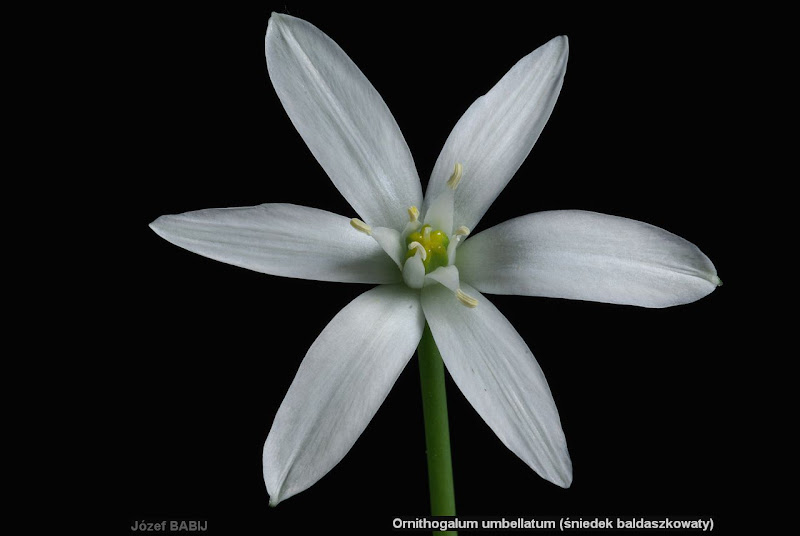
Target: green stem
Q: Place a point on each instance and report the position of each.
(437, 432)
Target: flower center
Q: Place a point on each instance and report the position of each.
(434, 245)
(425, 251)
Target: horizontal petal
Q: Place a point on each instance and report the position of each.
(342, 381)
(343, 120)
(496, 371)
(281, 239)
(496, 134)
(587, 256)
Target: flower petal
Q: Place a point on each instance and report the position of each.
(414, 272)
(281, 239)
(445, 275)
(343, 120)
(496, 134)
(391, 242)
(499, 376)
(439, 214)
(342, 381)
(587, 256)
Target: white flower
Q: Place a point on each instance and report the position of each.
(417, 251)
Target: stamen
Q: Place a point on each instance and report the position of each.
(455, 178)
(466, 299)
(455, 240)
(361, 226)
(413, 214)
(420, 248)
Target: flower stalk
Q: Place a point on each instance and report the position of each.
(437, 431)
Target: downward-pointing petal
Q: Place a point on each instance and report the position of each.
(342, 381)
(281, 239)
(343, 120)
(497, 373)
(587, 256)
(497, 132)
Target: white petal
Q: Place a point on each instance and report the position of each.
(343, 120)
(342, 381)
(587, 256)
(499, 376)
(391, 242)
(439, 214)
(414, 272)
(445, 275)
(281, 239)
(496, 134)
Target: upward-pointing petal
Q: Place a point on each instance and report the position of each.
(343, 120)
(496, 134)
(341, 383)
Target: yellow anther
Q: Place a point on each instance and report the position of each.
(462, 231)
(361, 226)
(413, 214)
(420, 248)
(466, 299)
(455, 178)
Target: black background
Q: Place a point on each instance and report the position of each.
(641, 130)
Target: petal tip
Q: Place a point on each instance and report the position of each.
(559, 41)
(563, 473)
(564, 482)
(563, 41)
(276, 16)
(157, 225)
(276, 20)
(558, 49)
